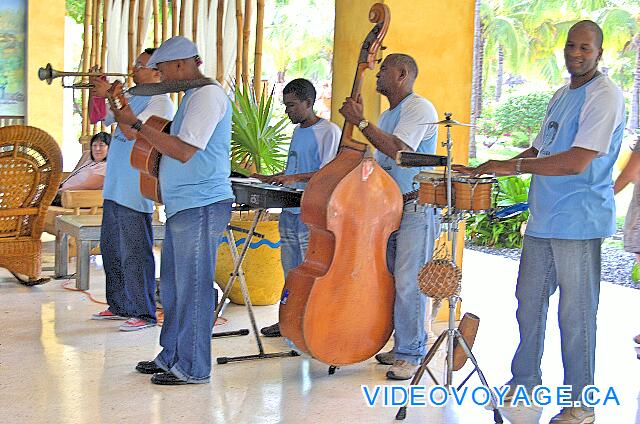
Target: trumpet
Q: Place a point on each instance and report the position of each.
(48, 74)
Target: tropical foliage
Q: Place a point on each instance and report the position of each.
(521, 41)
(519, 117)
(299, 39)
(488, 230)
(256, 145)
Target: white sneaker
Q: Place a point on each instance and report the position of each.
(402, 370)
(574, 415)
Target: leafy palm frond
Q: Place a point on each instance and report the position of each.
(256, 145)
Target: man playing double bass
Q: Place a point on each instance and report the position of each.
(403, 127)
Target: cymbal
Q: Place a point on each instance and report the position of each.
(450, 123)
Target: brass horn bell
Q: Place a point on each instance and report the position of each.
(48, 74)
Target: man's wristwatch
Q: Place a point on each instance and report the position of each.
(363, 124)
(137, 125)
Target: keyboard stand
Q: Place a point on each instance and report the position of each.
(238, 274)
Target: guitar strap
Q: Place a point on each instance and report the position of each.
(170, 86)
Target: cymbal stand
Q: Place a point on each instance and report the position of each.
(451, 219)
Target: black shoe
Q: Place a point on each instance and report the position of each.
(166, 379)
(272, 330)
(148, 367)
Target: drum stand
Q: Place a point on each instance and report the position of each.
(451, 219)
(238, 274)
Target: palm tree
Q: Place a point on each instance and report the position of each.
(621, 27)
(498, 35)
(476, 84)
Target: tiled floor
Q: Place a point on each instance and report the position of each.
(57, 366)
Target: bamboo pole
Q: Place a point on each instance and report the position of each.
(105, 23)
(239, 40)
(174, 32)
(156, 24)
(174, 17)
(85, 68)
(95, 47)
(165, 15)
(139, 30)
(94, 32)
(132, 9)
(103, 49)
(246, 34)
(182, 17)
(219, 32)
(194, 21)
(182, 25)
(257, 60)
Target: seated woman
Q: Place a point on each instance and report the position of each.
(89, 175)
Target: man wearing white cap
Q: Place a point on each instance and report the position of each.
(195, 187)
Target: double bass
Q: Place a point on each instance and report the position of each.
(337, 306)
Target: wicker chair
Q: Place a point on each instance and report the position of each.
(30, 173)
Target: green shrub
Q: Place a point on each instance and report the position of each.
(485, 230)
(522, 114)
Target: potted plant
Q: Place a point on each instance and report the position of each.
(256, 146)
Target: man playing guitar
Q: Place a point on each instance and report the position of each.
(195, 188)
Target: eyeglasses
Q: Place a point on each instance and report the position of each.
(138, 65)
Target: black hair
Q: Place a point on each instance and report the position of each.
(401, 59)
(302, 88)
(102, 136)
(150, 50)
(593, 27)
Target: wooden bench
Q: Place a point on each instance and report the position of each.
(85, 229)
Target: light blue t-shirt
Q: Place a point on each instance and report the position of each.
(203, 120)
(578, 207)
(122, 181)
(408, 121)
(311, 148)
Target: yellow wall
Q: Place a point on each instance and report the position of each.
(351, 28)
(45, 43)
(439, 36)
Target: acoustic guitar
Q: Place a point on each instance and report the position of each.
(144, 156)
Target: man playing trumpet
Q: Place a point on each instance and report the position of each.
(126, 238)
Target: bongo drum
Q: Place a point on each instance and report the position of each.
(433, 188)
(472, 193)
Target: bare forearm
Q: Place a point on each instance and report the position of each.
(387, 143)
(571, 162)
(630, 173)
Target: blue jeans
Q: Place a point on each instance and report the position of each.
(126, 242)
(188, 263)
(294, 240)
(574, 267)
(407, 251)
